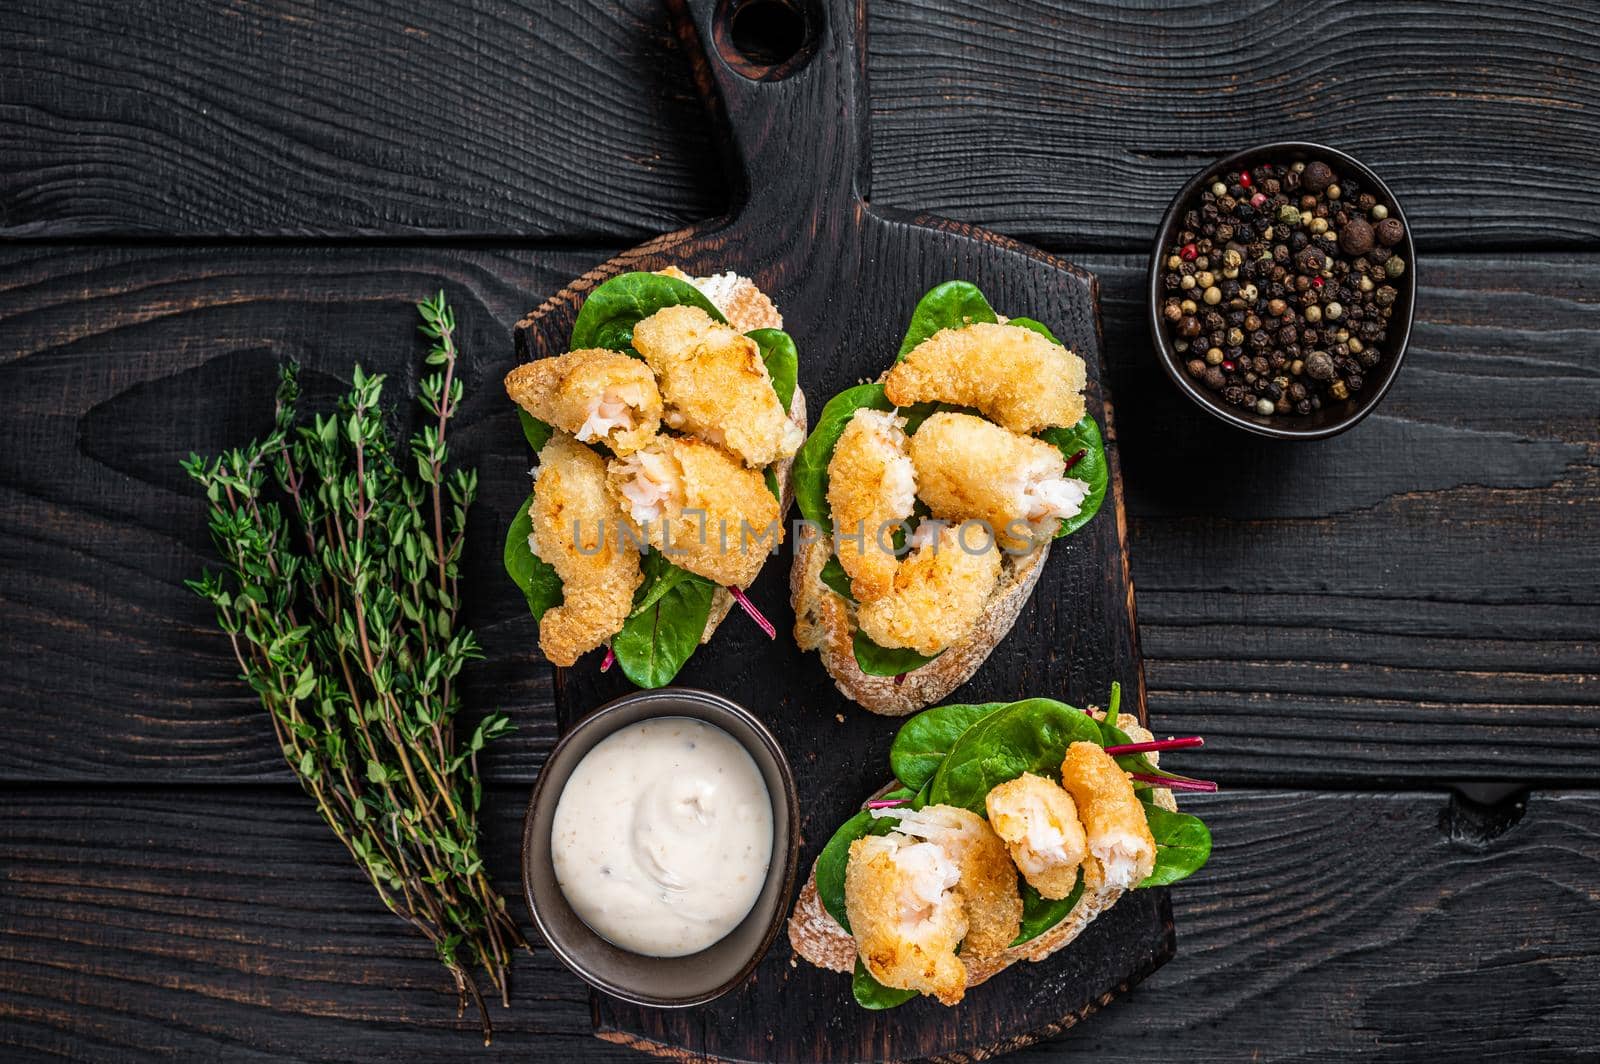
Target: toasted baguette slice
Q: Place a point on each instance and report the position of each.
(747, 308)
(817, 937)
(825, 621)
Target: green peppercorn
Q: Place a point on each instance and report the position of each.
(1395, 266)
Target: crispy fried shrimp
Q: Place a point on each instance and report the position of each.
(715, 385)
(744, 305)
(871, 486)
(1014, 375)
(599, 396)
(906, 914)
(939, 592)
(576, 528)
(697, 505)
(988, 879)
(972, 469)
(1113, 818)
(1039, 824)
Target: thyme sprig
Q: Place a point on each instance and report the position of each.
(340, 595)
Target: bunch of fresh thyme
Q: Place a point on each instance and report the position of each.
(340, 594)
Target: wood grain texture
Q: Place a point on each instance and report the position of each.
(1074, 122)
(1272, 620)
(227, 922)
(1065, 122)
(295, 117)
(796, 140)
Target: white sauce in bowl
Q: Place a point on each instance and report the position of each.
(662, 836)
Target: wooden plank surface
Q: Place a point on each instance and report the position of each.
(1413, 601)
(1064, 122)
(227, 922)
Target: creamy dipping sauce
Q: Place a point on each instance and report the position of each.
(662, 836)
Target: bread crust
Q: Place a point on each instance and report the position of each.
(824, 621)
(818, 938)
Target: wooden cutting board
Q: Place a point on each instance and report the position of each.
(846, 276)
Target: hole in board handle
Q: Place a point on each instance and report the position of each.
(767, 40)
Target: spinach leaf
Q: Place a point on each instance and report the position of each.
(1035, 326)
(883, 661)
(810, 474)
(836, 578)
(1183, 844)
(613, 309)
(536, 432)
(1091, 468)
(1040, 914)
(655, 642)
(1027, 736)
(925, 739)
(660, 576)
(782, 361)
(871, 994)
(835, 856)
(532, 574)
(952, 305)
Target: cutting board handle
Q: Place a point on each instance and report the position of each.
(786, 81)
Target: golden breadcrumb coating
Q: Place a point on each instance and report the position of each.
(939, 592)
(744, 305)
(700, 507)
(1039, 824)
(597, 395)
(576, 526)
(1014, 375)
(871, 485)
(715, 385)
(906, 915)
(1113, 818)
(972, 469)
(988, 883)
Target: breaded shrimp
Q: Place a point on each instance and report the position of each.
(988, 879)
(906, 914)
(871, 486)
(1113, 818)
(697, 505)
(577, 529)
(744, 305)
(972, 469)
(939, 591)
(715, 385)
(1014, 375)
(599, 396)
(1039, 824)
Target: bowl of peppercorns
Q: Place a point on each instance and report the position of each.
(1282, 290)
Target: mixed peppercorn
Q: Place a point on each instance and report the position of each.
(1280, 287)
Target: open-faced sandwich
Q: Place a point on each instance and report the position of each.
(665, 438)
(933, 496)
(1010, 826)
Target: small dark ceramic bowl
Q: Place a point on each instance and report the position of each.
(1333, 418)
(665, 982)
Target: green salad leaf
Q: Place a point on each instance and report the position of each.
(536, 432)
(657, 639)
(836, 578)
(1091, 468)
(951, 305)
(1035, 326)
(1040, 914)
(617, 305)
(1026, 736)
(923, 741)
(534, 576)
(1183, 844)
(871, 994)
(778, 354)
(885, 661)
(835, 856)
(810, 475)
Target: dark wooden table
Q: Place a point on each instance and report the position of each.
(1391, 639)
